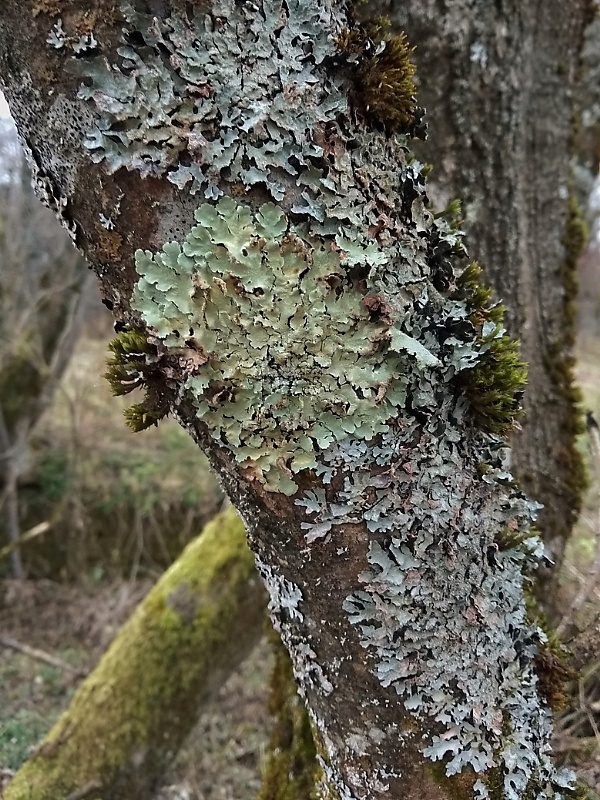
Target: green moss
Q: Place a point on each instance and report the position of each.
(509, 538)
(383, 74)
(555, 674)
(133, 365)
(456, 787)
(583, 793)
(560, 362)
(129, 717)
(494, 387)
(452, 214)
(291, 771)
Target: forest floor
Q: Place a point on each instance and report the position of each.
(97, 581)
(222, 757)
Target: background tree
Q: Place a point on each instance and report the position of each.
(336, 357)
(44, 287)
(130, 716)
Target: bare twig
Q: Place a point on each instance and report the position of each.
(90, 788)
(40, 655)
(32, 533)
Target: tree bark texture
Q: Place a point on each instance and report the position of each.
(499, 82)
(239, 175)
(130, 716)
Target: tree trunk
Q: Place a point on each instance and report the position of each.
(239, 175)
(44, 291)
(129, 718)
(499, 82)
(13, 526)
(291, 770)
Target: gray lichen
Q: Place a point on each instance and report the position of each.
(327, 337)
(433, 556)
(211, 89)
(80, 44)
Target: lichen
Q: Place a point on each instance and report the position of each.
(293, 358)
(180, 106)
(340, 336)
(84, 43)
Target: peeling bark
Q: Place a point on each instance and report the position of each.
(244, 189)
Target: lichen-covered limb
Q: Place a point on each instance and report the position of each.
(502, 115)
(130, 716)
(239, 174)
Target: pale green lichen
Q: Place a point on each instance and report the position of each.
(310, 332)
(292, 358)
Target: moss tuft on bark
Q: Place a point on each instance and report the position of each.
(552, 662)
(133, 364)
(494, 386)
(560, 362)
(383, 75)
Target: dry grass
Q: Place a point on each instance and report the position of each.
(121, 503)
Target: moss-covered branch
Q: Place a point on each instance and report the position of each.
(131, 715)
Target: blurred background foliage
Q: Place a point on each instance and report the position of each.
(117, 503)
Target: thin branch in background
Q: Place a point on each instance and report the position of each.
(32, 533)
(584, 705)
(40, 655)
(593, 575)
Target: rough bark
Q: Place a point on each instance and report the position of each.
(315, 331)
(130, 716)
(499, 82)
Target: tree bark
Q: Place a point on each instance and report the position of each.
(239, 176)
(131, 715)
(499, 82)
